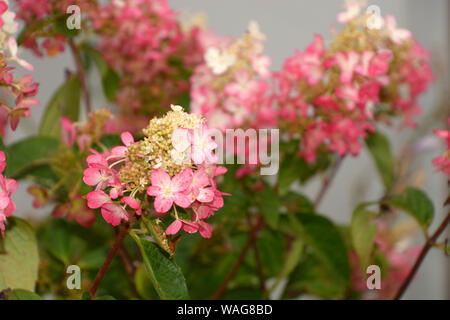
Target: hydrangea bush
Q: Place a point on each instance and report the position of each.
(138, 195)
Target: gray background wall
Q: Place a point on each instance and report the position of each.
(290, 25)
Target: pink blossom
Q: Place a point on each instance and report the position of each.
(347, 62)
(202, 146)
(127, 138)
(353, 8)
(442, 163)
(244, 87)
(96, 199)
(113, 213)
(397, 35)
(68, 131)
(261, 65)
(7, 188)
(168, 191)
(133, 204)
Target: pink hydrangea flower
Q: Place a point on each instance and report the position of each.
(202, 146)
(442, 163)
(397, 35)
(7, 188)
(347, 63)
(168, 191)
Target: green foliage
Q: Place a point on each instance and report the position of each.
(19, 261)
(363, 234)
(21, 294)
(380, 149)
(29, 153)
(325, 240)
(164, 273)
(109, 77)
(416, 203)
(61, 27)
(293, 168)
(297, 203)
(270, 206)
(65, 102)
(271, 246)
(144, 285)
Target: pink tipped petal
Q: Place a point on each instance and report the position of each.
(119, 151)
(113, 214)
(205, 229)
(162, 204)
(190, 227)
(182, 180)
(174, 227)
(127, 138)
(11, 185)
(220, 171)
(206, 195)
(204, 212)
(2, 161)
(131, 202)
(182, 200)
(92, 176)
(153, 191)
(159, 178)
(96, 199)
(4, 201)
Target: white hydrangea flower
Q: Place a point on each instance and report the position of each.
(218, 61)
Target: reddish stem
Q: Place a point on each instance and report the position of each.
(239, 260)
(421, 257)
(112, 252)
(81, 75)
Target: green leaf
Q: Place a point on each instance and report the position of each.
(313, 277)
(19, 262)
(297, 203)
(293, 258)
(28, 153)
(290, 170)
(293, 168)
(143, 283)
(65, 102)
(110, 78)
(61, 27)
(58, 239)
(164, 273)
(271, 246)
(326, 241)
(93, 260)
(416, 203)
(363, 234)
(380, 149)
(270, 207)
(20, 294)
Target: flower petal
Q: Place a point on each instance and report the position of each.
(96, 199)
(174, 227)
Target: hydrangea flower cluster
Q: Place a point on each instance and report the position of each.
(333, 96)
(21, 90)
(7, 188)
(442, 163)
(173, 166)
(230, 87)
(145, 35)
